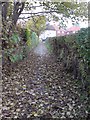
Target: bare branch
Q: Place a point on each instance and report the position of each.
(42, 12)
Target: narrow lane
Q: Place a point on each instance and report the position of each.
(39, 86)
(41, 50)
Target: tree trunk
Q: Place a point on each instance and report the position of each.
(18, 8)
(4, 12)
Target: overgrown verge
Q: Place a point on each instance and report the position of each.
(74, 53)
(17, 44)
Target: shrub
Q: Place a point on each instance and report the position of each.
(74, 52)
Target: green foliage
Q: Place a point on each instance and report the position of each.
(31, 38)
(48, 45)
(74, 52)
(28, 37)
(15, 54)
(27, 34)
(78, 43)
(36, 24)
(16, 57)
(15, 39)
(34, 39)
(83, 42)
(69, 9)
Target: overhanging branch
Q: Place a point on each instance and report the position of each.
(42, 12)
(37, 13)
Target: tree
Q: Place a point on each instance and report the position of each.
(11, 12)
(37, 24)
(15, 13)
(18, 8)
(67, 9)
(58, 11)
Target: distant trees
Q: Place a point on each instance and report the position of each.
(37, 24)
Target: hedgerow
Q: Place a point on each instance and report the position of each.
(74, 53)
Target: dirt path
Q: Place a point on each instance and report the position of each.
(41, 50)
(39, 87)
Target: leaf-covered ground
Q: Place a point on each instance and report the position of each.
(40, 87)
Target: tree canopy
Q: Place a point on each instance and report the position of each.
(67, 9)
(37, 24)
(14, 9)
